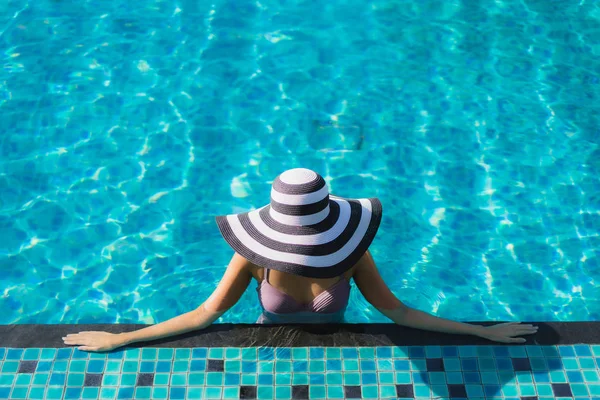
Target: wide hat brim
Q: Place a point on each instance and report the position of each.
(323, 250)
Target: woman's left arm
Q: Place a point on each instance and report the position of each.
(233, 284)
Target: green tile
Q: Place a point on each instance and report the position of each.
(90, 392)
(366, 353)
(40, 378)
(132, 354)
(316, 366)
(249, 379)
(316, 392)
(7, 379)
(31, 354)
(48, 354)
(143, 392)
(75, 379)
(299, 353)
(234, 366)
(264, 392)
(232, 353)
(113, 366)
(181, 366)
(161, 379)
(370, 392)
(195, 393)
(351, 378)
(333, 378)
(108, 393)
(283, 366)
(128, 379)
(350, 365)
(249, 354)
(214, 379)
(333, 353)
(159, 393)
(300, 379)
(36, 393)
(231, 393)
(77, 366)
(283, 392)
(182, 354)
(216, 353)
(178, 379)
(165, 354)
(283, 379)
(131, 366)
(110, 380)
(335, 392)
(196, 378)
(265, 367)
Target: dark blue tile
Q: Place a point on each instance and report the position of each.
(457, 391)
(249, 392)
(369, 378)
(562, 390)
(27, 367)
(125, 393)
(72, 393)
(352, 392)
(92, 379)
(265, 379)
(521, 364)
(248, 366)
(316, 353)
(416, 352)
(435, 365)
(449, 351)
(349, 353)
(215, 366)
(405, 391)
(177, 393)
(300, 392)
(199, 353)
(145, 380)
(575, 376)
(334, 365)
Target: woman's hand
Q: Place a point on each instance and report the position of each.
(94, 340)
(506, 332)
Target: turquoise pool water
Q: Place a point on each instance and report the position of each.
(125, 128)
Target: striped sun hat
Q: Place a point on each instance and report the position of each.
(304, 230)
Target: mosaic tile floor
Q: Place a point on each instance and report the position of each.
(517, 372)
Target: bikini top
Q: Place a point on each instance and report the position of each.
(332, 300)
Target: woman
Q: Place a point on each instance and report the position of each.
(303, 249)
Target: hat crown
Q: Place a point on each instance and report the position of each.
(299, 196)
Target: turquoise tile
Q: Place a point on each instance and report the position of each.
(249, 353)
(230, 393)
(197, 379)
(594, 389)
(534, 351)
(232, 353)
(524, 377)
(108, 393)
(10, 366)
(159, 392)
(234, 366)
(558, 377)
(178, 379)
(437, 378)
(467, 351)
(31, 354)
(454, 377)
(544, 390)
(418, 365)
(36, 393)
(40, 378)
(586, 363)
(384, 365)
(366, 353)
(165, 354)
(214, 378)
(97, 356)
(283, 392)
(182, 354)
(510, 391)
(264, 392)
(570, 363)
(527, 390)
(216, 353)
(433, 352)
(316, 392)
(350, 365)
(403, 377)
(249, 379)
(266, 367)
(74, 393)
(283, 366)
(333, 378)
(400, 352)
(579, 389)
(57, 393)
(517, 352)
(149, 353)
(370, 392)
(128, 379)
(591, 376)
(538, 364)
(77, 366)
(316, 379)
(351, 378)
(195, 393)
(300, 379)
(386, 378)
(489, 377)
(487, 364)
(91, 392)
(316, 366)
(19, 393)
(110, 380)
(181, 366)
(2, 353)
(60, 366)
(113, 367)
(79, 354)
(283, 379)
(75, 379)
(335, 392)
(7, 379)
(48, 354)
(439, 390)
(299, 366)
(299, 353)
(333, 353)
(143, 392)
(387, 391)
(474, 390)
(422, 390)
(452, 364)
(485, 351)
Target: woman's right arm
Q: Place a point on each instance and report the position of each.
(371, 285)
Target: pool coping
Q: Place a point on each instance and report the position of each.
(330, 335)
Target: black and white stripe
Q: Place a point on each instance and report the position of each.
(304, 230)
